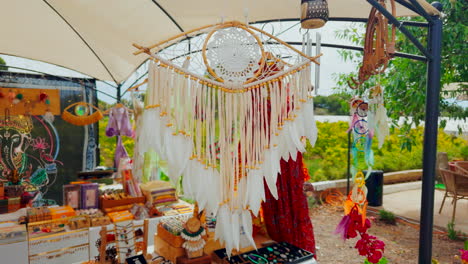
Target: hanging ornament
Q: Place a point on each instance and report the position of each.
(11, 95)
(314, 13)
(82, 116)
(49, 116)
(43, 96)
(231, 126)
(377, 118)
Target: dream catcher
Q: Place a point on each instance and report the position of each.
(82, 114)
(361, 136)
(224, 115)
(368, 117)
(379, 47)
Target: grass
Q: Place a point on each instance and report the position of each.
(387, 217)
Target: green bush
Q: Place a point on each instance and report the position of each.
(328, 159)
(387, 217)
(107, 144)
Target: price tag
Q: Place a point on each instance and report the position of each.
(139, 259)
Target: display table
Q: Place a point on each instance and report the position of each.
(79, 246)
(75, 246)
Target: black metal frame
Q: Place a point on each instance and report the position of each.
(432, 56)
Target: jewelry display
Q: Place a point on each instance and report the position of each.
(66, 255)
(194, 235)
(125, 239)
(58, 241)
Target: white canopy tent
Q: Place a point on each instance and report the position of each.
(95, 37)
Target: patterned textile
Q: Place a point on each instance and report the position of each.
(287, 219)
(119, 125)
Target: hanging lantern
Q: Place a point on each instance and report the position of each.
(314, 13)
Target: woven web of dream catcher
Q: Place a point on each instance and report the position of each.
(234, 54)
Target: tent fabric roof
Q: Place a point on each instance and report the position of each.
(95, 37)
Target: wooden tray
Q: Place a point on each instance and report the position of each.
(104, 203)
(175, 241)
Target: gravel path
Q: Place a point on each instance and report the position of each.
(401, 240)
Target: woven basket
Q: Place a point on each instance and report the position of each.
(314, 13)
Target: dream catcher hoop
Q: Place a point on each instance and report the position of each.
(226, 112)
(236, 53)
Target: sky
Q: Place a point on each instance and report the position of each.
(331, 63)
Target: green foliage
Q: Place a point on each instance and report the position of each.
(107, 145)
(466, 245)
(328, 159)
(464, 153)
(387, 217)
(451, 232)
(383, 260)
(3, 64)
(335, 104)
(405, 80)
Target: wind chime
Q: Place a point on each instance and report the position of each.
(225, 117)
(368, 117)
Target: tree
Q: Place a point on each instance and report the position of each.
(335, 104)
(404, 80)
(3, 64)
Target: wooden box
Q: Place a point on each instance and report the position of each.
(61, 212)
(162, 248)
(14, 204)
(205, 259)
(175, 241)
(105, 203)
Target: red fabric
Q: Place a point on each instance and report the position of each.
(287, 219)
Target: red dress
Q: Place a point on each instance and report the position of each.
(287, 219)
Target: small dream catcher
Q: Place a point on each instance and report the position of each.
(240, 89)
(82, 114)
(363, 156)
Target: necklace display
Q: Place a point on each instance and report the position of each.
(193, 236)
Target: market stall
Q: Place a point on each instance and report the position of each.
(230, 118)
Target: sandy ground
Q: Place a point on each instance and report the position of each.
(401, 240)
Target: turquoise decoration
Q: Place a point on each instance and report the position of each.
(81, 110)
(19, 96)
(39, 177)
(193, 234)
(47, 102)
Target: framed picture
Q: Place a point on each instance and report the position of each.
(89, 195)
(71, 195)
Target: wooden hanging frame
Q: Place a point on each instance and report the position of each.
(160, 45)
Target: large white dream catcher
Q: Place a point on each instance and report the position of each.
(224, 115)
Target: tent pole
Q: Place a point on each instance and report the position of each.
(430, 140)
(348, 169)
(119, 93)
